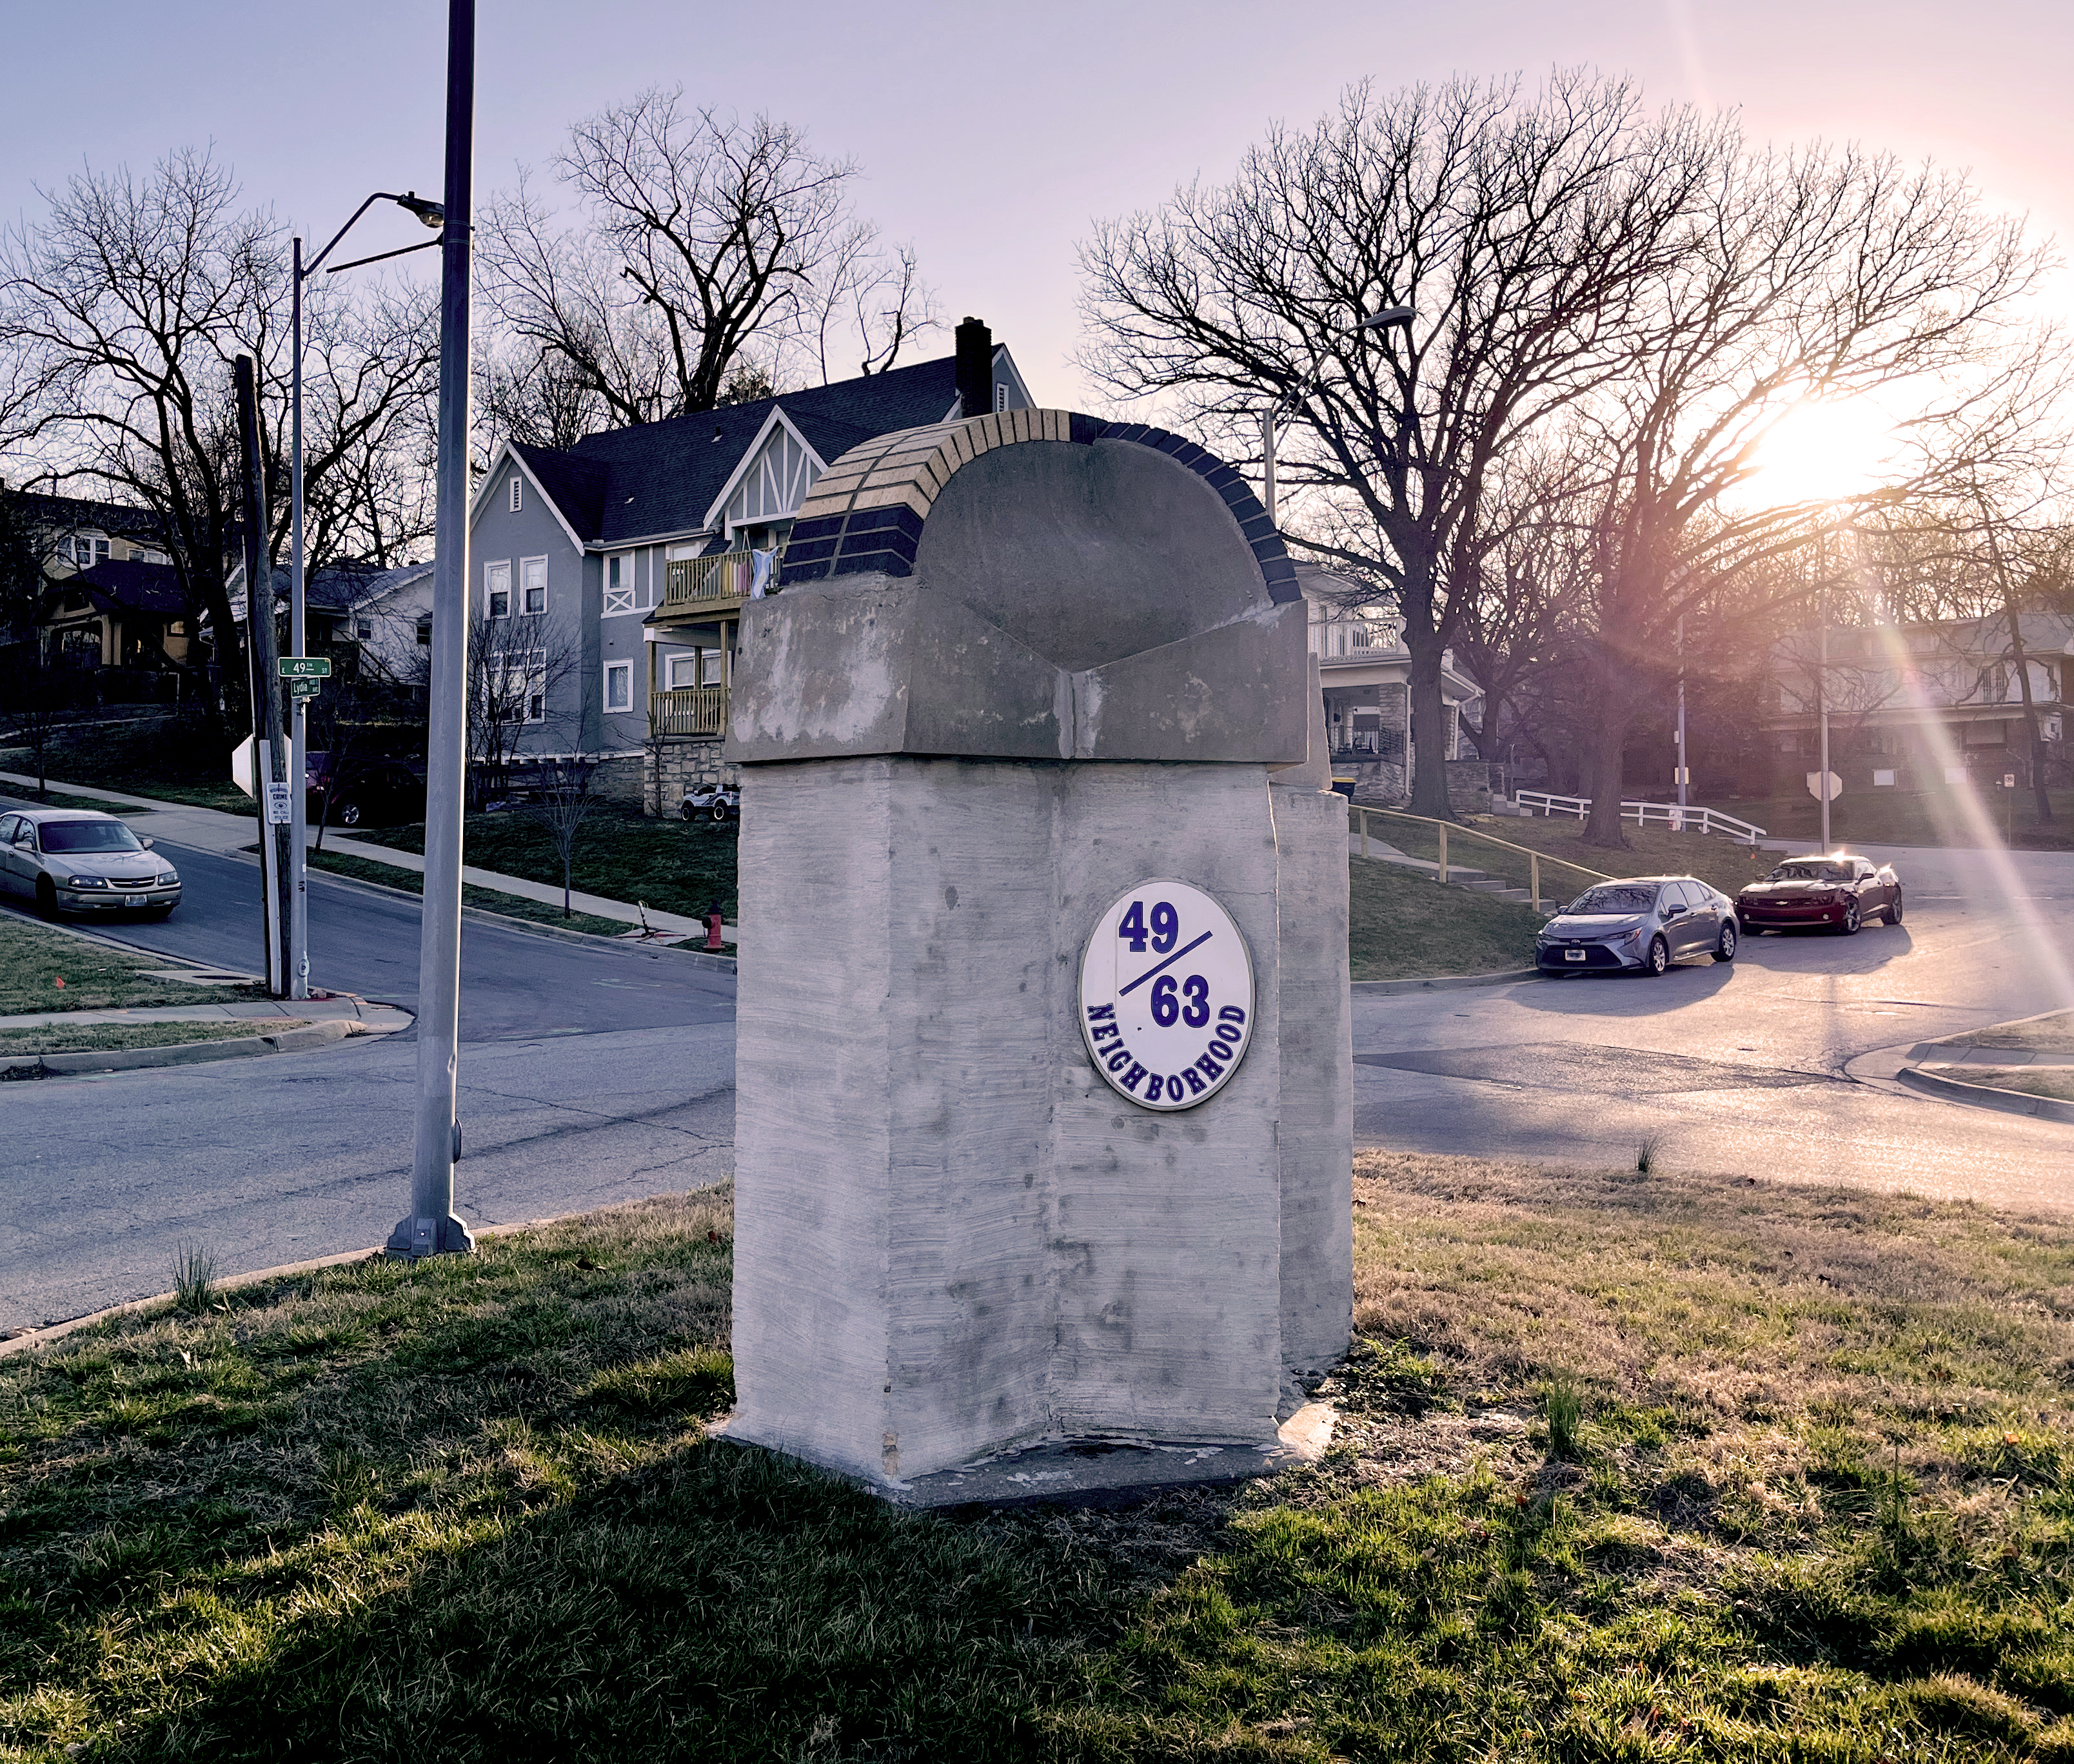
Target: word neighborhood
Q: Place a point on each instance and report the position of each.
(1167, 995)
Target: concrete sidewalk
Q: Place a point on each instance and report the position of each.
(342, 1007)
(210, 830)
(1460, 875)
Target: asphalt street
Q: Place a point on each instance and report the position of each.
(593, 1074)
(1746, 1067)
(589, 1073)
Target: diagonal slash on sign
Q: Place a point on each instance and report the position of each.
(1169, 963)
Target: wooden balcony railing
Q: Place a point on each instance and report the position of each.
(723, 576)
(688, 711)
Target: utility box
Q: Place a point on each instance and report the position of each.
(1043, 1080)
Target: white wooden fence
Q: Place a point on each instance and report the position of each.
(1669, 815)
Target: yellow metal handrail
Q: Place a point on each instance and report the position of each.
(688, 709)
(1533, 857)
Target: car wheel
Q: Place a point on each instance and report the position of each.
(685, 811)
(346, 814)
(46, 897)
(1852, 920)
(1724, 948)
(1893, 912)
(719, 811)
(1659, 957)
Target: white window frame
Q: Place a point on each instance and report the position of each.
(620, 594)
(96, 551)
(1000, 396)
(531, 667)
(363, 630)
(497, 580)
(625, 670)
(528, 588)
(518, 493)
(689, 660)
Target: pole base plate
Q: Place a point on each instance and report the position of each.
(430, 1236)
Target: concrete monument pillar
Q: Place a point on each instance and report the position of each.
(1043, 1079)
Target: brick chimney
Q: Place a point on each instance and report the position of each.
(975, 368)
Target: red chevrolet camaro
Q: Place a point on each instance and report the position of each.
(1838, 893)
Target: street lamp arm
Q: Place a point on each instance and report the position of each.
(383, 257)
(429, 212)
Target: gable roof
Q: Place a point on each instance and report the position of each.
(54, 513)
(128, 587)
(662, 478)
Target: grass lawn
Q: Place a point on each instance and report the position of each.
(512, 906)
(1402, 925)
(161, 755)
(58, 799)
(2056, 1082)
(678, 866)
(2053, 1034)
(1653, 851)
(1877, 816)
(1629, 1469)
(116, 1037)
(34, 958)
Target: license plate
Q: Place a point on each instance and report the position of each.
(1573, 955)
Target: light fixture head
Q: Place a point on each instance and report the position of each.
(1385, 317)
(432, 213)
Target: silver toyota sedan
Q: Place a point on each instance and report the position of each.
(75, 860)
(1641, 925)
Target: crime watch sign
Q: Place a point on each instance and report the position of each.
(1167, 997)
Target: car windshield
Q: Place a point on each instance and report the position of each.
(1617, 897)
(1811, 872)
(88, 836)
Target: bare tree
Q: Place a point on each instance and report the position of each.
(121, 312)
(561, 801)
(515, 668)
(1818, 276)
(1524, 232)
(703, 239)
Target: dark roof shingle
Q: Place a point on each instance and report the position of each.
(661, 477)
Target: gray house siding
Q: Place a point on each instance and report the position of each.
(504, 536)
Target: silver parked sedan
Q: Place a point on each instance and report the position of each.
(1643, 924)
(76, 861)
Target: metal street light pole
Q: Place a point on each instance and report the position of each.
(431, 1227)
(298, 888)
(1682, 772)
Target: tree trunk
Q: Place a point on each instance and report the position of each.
(1605, 829)
(1429, 722)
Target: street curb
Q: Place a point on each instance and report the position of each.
(1983, 1096)
(724, 964)
(245, 1047)
(21, 1340)
(1446, 983)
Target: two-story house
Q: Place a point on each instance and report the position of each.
(1911, 705)
(1364, 671)
(112, 603)
(622, 564)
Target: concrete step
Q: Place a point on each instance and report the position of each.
(1483, 885)
(1520, 895)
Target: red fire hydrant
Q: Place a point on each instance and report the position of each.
(712, 926)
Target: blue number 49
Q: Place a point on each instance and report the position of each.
(1133, 927)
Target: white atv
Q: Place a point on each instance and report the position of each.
(716, 805)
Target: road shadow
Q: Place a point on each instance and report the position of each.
(1633, 993)
(1824, 953)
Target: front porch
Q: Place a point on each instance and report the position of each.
(700, 610)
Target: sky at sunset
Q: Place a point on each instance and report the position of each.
(990, 134)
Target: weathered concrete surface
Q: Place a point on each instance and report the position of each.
(1067, 602)
(1317, 1092)
(951, 1235)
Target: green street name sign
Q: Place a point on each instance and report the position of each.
(304, 667)
(305, 689)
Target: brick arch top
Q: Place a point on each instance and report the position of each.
(865, 513)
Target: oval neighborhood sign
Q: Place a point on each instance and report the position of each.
(1167, 995)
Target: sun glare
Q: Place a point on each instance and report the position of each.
(1819, 452)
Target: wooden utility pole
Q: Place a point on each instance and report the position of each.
(270, 747)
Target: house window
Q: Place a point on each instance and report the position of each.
(363, 628)
(497, 590)
(619, 686)
(533, 583)
(683, 670)
(619, 573)
(515, 493)
(86, 552)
